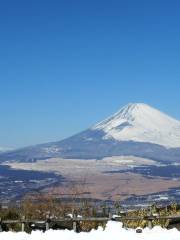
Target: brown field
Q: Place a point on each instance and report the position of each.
(89, 177)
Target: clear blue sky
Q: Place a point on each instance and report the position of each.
(64, 65)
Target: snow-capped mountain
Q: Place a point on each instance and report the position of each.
(141, 123)
(136, 130)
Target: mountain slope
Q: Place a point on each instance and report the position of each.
(137, 130)
(142, 123)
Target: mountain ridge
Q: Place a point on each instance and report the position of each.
(136, 129)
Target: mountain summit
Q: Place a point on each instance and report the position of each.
(141, 123)
(136, 130)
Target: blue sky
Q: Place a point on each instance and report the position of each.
(64, 65)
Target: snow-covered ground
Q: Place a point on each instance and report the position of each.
(113, 231)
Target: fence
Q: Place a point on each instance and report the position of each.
(75, 220)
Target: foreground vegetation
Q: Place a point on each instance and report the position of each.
(45, 207)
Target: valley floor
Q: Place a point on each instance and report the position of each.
(115, 178)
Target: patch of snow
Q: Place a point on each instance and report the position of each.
(113, 231)
(142, 123)
(88, 139)
(51, 149)
(115, 216)
(69, 215)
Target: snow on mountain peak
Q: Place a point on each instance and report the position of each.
(142, 123)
